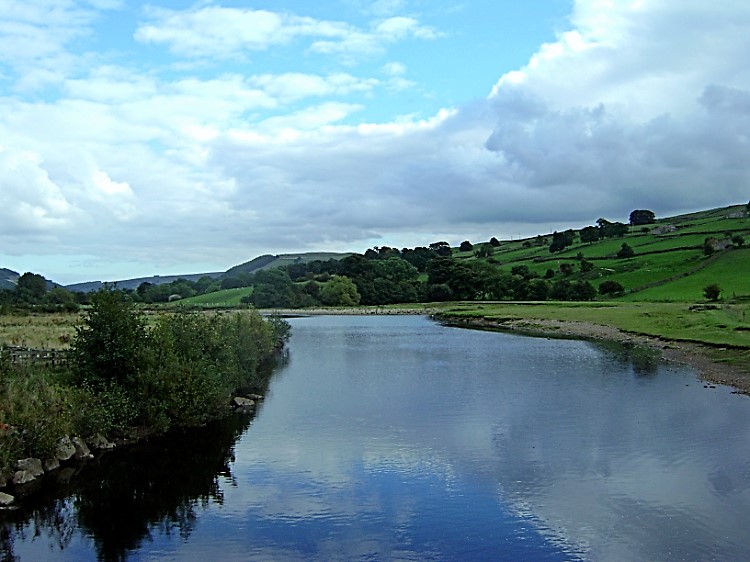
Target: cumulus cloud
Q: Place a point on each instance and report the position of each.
(215, 31)
(637, 104)
(31, 204)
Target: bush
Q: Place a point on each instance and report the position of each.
(112, 343)
(625, 252)
(36, 411)
(611, 288)
(712, 292)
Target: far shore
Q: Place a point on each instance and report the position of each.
(706, 359)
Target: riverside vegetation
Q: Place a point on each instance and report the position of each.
(680, 279)
(127, 375)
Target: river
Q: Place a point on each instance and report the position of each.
(397, 438)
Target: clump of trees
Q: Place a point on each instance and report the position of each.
(34, 292)
(641, 217)
(123, 374)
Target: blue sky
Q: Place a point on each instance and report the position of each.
(181, 137)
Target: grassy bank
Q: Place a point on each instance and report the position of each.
(129, 374)
(714, 337)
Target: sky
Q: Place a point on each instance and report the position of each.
(174, 137)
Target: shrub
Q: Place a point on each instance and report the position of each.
(712, 292)
(611, 288)
(112, 343)
(625, 251)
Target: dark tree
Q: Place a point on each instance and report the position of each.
(590, 234)
(466, 246)
(611, 288)
(611, 229)
(709, 246)
(625, 252)
(561, 240)
(495, 242)
(712, 292)
(484, 251)
(642, 216)
(441, 248)
(33, 285)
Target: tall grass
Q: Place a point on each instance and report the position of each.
(180, 369)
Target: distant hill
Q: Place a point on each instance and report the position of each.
(268, 261)
(133, 284)
(261, 262)
(8, 279)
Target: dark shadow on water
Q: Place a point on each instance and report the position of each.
(643, 360)
(125, 496)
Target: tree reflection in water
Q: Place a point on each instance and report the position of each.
(127, 495)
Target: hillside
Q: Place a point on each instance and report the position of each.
(269, 261)
(669, 262)
(132, 284)
(8, 279)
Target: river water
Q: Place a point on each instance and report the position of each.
(396, 438)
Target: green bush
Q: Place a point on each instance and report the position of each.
(182, 371)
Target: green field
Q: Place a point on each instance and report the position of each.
(220, 299)
(668, 266)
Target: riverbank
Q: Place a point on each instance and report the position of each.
(710, 361)
(712, 338)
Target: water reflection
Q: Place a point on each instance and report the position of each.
(126, 497)
(397, 438)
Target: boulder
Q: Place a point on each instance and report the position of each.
(82, 450)
(242, 402)
(65, 449)
(6, 499)
(31, 465)
(51, 464)
(255, 397)
(100, 442)
(23, 477)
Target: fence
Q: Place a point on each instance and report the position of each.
(25, 356)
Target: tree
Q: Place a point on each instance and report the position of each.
(441, 248)
(712, 292)
(495, 242)
(32, 286)
(485, 251)
(61, 298)
(561, 240)
(466, 246)
(625, 252)
(611, 288)
(642, 216)
(611, 229)
(590, 234)
(111, 345)
(709, 246)
(340, 291)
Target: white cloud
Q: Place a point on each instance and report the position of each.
(31, 204)
(215, 31)
(381, 33)
(638, 105)
(294, 86)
